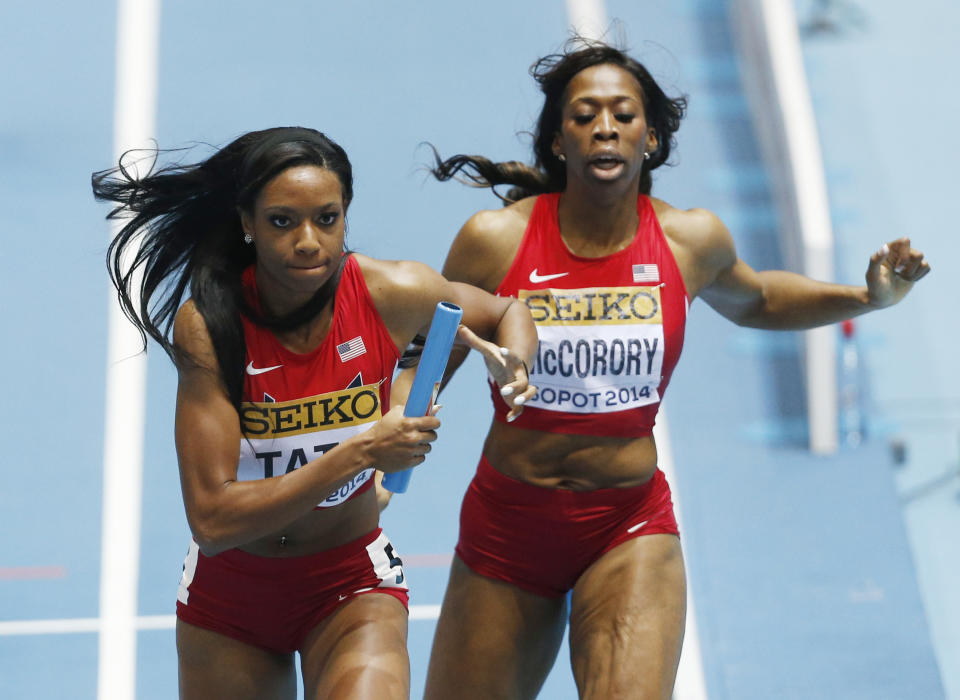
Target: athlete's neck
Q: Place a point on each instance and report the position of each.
(597, 223)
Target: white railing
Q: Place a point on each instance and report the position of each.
(776, 84)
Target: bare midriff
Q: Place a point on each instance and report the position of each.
(320, 529)
(574, 462)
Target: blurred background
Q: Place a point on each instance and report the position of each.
(827, 573)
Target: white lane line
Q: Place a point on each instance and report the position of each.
(14, 628)
(427, 561)
(690, 684)
(134, 125)
(424, 612)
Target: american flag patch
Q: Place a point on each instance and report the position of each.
(351, 349)
(646, 273)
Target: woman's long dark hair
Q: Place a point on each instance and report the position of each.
(548, 174)
(186, 221)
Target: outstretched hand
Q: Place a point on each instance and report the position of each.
(892, 272)
(506, 368)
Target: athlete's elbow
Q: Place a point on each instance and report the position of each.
(757, 321)
(209, 531)
(757, 313)
(208, 548)
(210, 542)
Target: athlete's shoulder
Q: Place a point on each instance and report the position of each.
(507, 221)
(189, 326)
(696, 228)
(486, 244)
(191, 335)
(386, 276)
(701, 243)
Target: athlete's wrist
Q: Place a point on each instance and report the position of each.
(358, 453)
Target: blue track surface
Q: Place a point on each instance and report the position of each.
(801, 568)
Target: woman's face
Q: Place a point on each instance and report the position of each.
(603, 129)
(298, 228)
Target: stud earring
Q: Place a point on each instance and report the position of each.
(646, 156)
(247, 238)
(562, 157)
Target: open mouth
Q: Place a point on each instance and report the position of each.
(606, 164)
(606, 161)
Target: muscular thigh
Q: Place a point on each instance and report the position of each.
(359, 652)
(493, 641)
(213, 666)
(627, 621)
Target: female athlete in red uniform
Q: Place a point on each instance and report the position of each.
(568, 496)
(285, 351)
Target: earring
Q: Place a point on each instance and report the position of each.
(247, 238)
(562, 157)
(646, 156)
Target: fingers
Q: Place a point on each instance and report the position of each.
(401, 442)
(473, 340)
(518, 401)
(904, 261)
(922, 271)
(881, 255)
(910, 265)
(426, 437)
(405, 432)
(495, 357)
(516, 388)
(407, 423)
(514, 381)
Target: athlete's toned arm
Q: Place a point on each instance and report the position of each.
(781, 300)
(408, 293)
(480, 256)
(223, 512)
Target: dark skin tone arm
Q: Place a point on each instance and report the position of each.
(489, 324)
(480, 256)
(704, 251)
(777, 299)
(225, 513)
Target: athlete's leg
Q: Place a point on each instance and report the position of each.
(627, 620)
(213, 666)
(494, 641)
(359, 652)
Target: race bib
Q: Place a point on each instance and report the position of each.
(601, 349)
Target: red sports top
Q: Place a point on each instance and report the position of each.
(610, 328)
(296, 407)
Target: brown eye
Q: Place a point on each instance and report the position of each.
(328, 219)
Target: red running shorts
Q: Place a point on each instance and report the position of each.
(274, 602)
(542, 539)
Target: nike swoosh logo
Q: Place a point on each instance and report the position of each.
(253, 371)
(535, 278)
(636, 527)
(356, 592)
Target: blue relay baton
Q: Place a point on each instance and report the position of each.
(426, 382)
